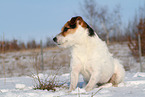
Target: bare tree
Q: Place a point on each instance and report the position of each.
(117, 29)
(131, 28)
(105, 22)
(88, 10)
(100, 18)
(134, 44)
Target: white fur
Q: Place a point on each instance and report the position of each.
(91, 58)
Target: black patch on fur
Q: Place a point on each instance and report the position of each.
(73, 20)
(65, 29)
(73, 23)
(91, 31)
(73, 26)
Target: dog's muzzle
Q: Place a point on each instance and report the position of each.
(59, 40)
(56, 40)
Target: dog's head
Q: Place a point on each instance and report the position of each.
(71, 32)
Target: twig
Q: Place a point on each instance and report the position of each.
(96, 92)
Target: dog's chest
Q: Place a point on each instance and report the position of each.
(86, 71)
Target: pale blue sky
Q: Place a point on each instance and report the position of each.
(37, 19)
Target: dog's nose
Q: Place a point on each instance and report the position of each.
(55, 39)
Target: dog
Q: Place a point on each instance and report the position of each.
(89, 55)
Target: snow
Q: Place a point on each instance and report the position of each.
(139, 74)
(133, 86)
(20, 75)
(20, 86)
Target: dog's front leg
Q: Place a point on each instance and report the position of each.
(92, 82)
(74, 78)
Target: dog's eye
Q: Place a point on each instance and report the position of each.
(65, 29)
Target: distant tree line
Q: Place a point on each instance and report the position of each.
(15, 45)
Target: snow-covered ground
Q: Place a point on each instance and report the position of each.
(134, 86)
(17, 70)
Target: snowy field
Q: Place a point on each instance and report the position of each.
(134, 86)
(18, 69)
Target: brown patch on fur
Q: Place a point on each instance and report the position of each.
(70, 31)
(71, 26)
(81, 22)
(113, 80)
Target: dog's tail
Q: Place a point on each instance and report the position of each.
(119, 73)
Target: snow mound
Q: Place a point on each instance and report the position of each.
(20, 86)
(78, 90)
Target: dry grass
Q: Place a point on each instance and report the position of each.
(33, 50)
(45, 83)
(24, 62)
(50, 84)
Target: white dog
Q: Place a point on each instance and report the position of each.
(89, 55)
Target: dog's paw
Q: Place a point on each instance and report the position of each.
(69, 91)
(87, 88)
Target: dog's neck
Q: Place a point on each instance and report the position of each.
(83, 39)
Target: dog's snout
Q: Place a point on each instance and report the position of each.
(55, 39)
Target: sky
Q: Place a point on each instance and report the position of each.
(26, 20)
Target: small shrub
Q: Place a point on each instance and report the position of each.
(45, 84)
(133, 45)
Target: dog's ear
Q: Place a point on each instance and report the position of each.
(76, 20)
